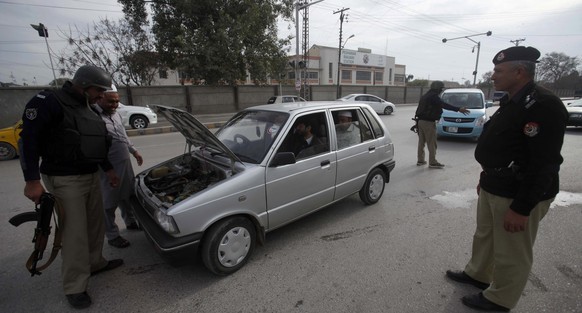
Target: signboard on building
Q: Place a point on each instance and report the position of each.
(350, 57)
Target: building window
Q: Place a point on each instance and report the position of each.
(363, 76)
(378, 76)
(164, 74)
(390, 77)
(330, 72)
(310, 75)
(347, 75)
(291, 75)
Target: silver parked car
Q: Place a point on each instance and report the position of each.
(268, 166)
(379, 105)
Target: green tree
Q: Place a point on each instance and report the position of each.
(418, 83)
(486, 82)
(553, 66)
(126, 52)
(217, 41)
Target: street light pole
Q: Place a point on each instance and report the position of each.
(43, 32)
(339, 62)
(478, 50)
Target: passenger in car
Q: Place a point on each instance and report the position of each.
(302, 141)
(348, 133)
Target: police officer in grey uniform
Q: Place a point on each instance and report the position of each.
(519, 151)
(61, 129)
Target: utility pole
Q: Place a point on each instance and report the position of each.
(478, 45)
(516, 41)
(299, 6)
(339, 58)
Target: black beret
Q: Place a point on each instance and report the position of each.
(517, 53)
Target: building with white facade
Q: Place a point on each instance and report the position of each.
(357, 67)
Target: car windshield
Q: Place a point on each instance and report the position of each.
(467, 100)
(249, 134)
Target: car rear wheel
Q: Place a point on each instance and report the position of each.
(228, 245)
(373, 188)
(7, 151)
(388, 110)
(138, 122)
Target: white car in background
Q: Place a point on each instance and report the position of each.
(285, 99)
(379, 105)
(137, 117)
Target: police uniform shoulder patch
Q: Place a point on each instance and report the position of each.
(531, 129)
(30, 113)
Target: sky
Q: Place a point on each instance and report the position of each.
(410, 31)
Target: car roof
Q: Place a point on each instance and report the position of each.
(465, 90)
(305, 106)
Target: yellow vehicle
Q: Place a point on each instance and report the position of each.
(9, 141)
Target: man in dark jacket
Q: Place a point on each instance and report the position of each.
(519, 151)
(60, 128)
(428, 112)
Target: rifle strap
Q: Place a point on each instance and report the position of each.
(55, 251)
(56, 246)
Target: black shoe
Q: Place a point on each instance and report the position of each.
(119, 242)
(79, 300)
(479, 302)
(133, 226)
(111, 264)
(462, 277)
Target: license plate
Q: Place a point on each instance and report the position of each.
(453, 129)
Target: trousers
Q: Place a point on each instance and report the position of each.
(499, 257)
(427, 136)
(78, 198)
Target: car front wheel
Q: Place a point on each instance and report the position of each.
(138, 122)
(373, 188)
(7, 151)
(228, 245)
(388, 110)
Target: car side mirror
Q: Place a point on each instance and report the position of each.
(283, 158)
(488, 103)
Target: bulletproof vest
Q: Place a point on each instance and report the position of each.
(81, 137)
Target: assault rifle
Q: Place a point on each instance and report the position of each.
(42, 215)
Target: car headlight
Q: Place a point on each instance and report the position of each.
(481, 121)
(166, 222)
(440, 122)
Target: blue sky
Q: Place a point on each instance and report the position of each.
(412, 32)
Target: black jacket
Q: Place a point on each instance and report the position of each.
(430, 107)
(519, 148)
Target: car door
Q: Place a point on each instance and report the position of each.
(355, 160)
(297, 189)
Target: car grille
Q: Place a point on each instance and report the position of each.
(459, 119)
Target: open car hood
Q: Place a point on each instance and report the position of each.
(196, 134)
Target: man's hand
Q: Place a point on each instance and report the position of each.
(33, 190)
(464, 111)
(112, 178)
(514, 222)
(138, 158)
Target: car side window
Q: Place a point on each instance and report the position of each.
(308, 136)
(376, 128)
(373, 99)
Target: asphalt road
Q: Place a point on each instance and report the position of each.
(388, 257)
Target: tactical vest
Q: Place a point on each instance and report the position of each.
(81, 137)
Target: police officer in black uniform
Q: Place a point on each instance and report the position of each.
(60, 128)
(519, 151)
(429, 111)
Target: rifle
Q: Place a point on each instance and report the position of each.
(42, 215)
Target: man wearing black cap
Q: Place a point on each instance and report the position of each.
(519, 151)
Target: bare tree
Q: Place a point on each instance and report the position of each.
(125, 52)
(553, 66)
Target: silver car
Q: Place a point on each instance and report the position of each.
(266, 167)
(137, 117)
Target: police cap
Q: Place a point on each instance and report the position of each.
(517, 53)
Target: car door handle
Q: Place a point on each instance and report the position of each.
(325, 163)
(371, 148)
